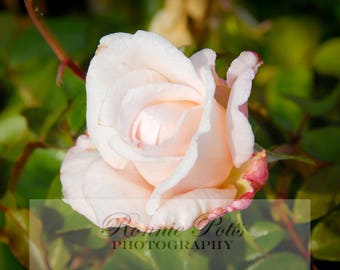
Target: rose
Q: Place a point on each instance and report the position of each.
(167, 140)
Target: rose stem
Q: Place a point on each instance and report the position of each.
(56, 47)
(290, 227)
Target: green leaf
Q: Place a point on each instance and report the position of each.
(73, 33)
(178, 256)
(317, 107)
(267, 236)
(280, 261)
(326, 60)
(123, 259)
(38, 86)
(96, 238)
(72, 220)
(273, 156)
(325, 242)
(29, 48)
(58, 254)
(322, 143)
(12, 128)
(6, 29)
(8, 200)
(42, 120)
(6, 170)
(55, 189)
(76, 116)
(24, 231)
(7, 259)
(164, 249)
(71, 85)
(39, 171)
(322, 191)
(292, 41)
(285, 113)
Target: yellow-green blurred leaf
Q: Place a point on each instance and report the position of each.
(24, 238)
(280, 261)
(12, 128)
(58, 254)
(327, 60)
(267, 236)
(322, 189)
(325, 242)
(292, 41)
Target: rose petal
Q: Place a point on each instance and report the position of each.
(74, 168)
(155, 172)
(214, 160)
(99, 192)
(185, 128)
(190, 158)
(117, 55)
(239, 79)
(139, 98)
(157, 123)
(182, 211)
(116, 194)
(222, 92)
(144, 50)
(109, 111)
(205, 57)
(246, 61)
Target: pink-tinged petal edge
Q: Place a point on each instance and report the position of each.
(255, 173)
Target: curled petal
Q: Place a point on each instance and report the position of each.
(239, 79)
(246, 61)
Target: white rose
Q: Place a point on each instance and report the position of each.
(160, 147)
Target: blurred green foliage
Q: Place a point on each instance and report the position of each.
(294, 111)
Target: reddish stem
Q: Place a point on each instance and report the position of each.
(54, 44)
(290, 227)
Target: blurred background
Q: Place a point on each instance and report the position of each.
(294, 107)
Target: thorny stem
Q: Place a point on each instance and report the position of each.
(54, 44)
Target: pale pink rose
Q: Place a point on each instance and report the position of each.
(162, 148)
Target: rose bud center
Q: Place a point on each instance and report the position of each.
(158, 123)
